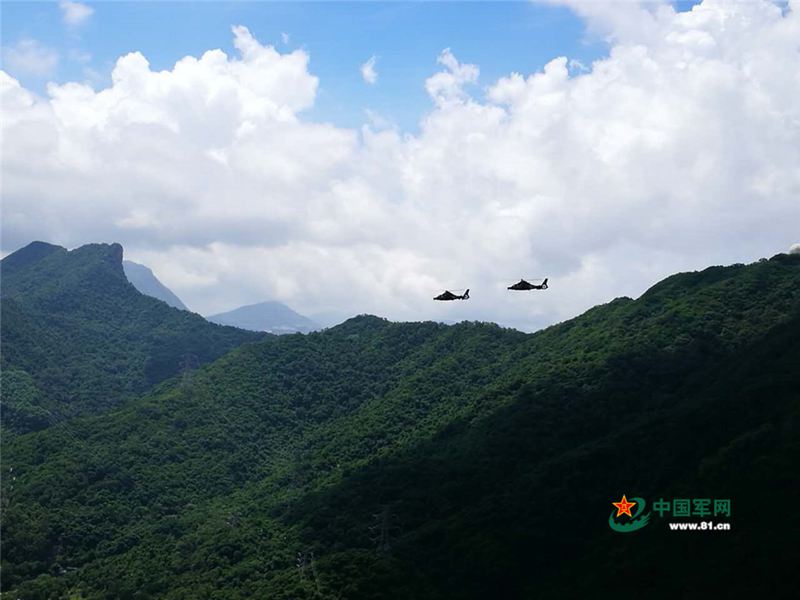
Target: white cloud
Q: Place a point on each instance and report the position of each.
(448, 85)
(75, 13)
(679, 150)
(285, 37)
(30, 57)
(368, 72)
(794, 249)
(577, 66)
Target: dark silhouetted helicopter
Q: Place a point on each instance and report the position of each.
(525, 286)
(447, 295)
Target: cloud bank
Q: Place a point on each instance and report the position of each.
(679, 150)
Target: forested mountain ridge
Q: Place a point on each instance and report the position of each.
(77, 337)
(417, 460)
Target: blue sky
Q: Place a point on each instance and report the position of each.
(406, 38)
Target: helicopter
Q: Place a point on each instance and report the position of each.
(448, 295)
(525, 286)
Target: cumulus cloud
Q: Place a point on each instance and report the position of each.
(678, 150)
(368, 72)
(622, 22)
(448, 85)
(30, 57)
(285, 37)
(75, 13)
(577, 66)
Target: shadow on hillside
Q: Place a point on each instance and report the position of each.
(517, 504)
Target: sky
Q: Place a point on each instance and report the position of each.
(351, 157)
(404, 38)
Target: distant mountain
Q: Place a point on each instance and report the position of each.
(270, 316)
(144, 280)
(378, 460)
(78, 338)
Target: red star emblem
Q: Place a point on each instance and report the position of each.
(624, 507)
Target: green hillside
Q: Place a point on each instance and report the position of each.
(423, 461)
(77, 338)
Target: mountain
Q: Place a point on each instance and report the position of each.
(78, 338)
(148, 284)
(418, 460)
(270, 316)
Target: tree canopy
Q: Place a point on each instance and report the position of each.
(418, 460)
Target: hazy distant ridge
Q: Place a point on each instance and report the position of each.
(270, 316)
(144, 280)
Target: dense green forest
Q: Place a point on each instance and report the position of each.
(78, 338)
(422, 461)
